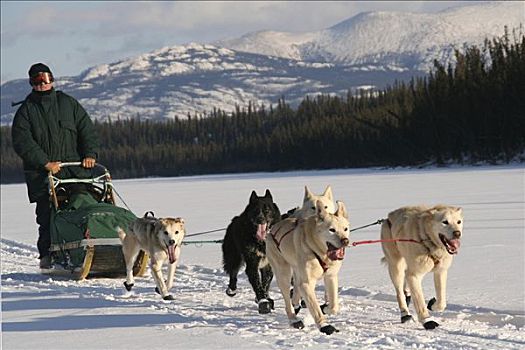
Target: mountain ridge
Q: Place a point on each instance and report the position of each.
(379, 33)
(369, 50)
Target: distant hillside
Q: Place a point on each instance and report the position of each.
(174, 81)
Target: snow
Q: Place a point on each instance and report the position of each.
(485, 286)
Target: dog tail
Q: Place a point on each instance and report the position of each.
(386, 233)
(121, 233)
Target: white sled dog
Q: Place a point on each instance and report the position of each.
(309, 249)
(161, 238)
(310, 201)
(438, 231)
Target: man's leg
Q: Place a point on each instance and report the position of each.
(43, 215)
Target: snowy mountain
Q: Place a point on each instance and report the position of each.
(369, 50)
(195, 78)
(389, 39)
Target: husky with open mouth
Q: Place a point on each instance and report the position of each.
(310, 249)
(161, 239)
(431, 238)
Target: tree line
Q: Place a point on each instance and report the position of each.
(468, 111)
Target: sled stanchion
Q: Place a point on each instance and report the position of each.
(52, 189)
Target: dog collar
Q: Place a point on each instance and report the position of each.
(324, 266)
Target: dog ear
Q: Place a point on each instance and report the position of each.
(460, 210)
(267, 194)
(181, 220)
(253, 197)
(307, 194)
(341, 210)
(328, 193)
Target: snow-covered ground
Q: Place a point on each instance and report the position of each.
(485, 290)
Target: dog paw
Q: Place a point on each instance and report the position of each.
(264, 306)
(431, 303)
(298, 324)
(128, 286)
(406, 318)
(328, 329)
(231, 292)
(168, 297)
(270, 300)
(430, 324)
(296, 309)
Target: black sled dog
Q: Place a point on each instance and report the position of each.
(244, 243)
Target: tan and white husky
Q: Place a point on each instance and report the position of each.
(161, 238)
(438, 231)
(310, 249)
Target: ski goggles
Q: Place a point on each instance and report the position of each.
(41, 79)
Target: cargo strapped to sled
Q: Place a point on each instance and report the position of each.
(84, 227)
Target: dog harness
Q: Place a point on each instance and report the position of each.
(278, 242)
(434, 258)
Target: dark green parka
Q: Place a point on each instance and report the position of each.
(51, 127)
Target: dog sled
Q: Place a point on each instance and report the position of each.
(84, 221)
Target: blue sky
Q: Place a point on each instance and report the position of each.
(71, 36)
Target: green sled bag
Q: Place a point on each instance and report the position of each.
(84, 237)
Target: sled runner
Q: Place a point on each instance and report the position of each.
(84, 221)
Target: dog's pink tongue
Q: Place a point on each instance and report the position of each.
(455, 244)
(171, 253)
(261, 231)
(336, 254)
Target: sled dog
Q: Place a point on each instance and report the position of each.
(244, 244)
(309, 204)
(308, 208)
(161, 238)
(438, 231)
(309, 249)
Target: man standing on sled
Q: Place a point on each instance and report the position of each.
(50, 127)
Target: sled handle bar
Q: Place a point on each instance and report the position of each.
(68, 164)
(54, 181)
(105, 175)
